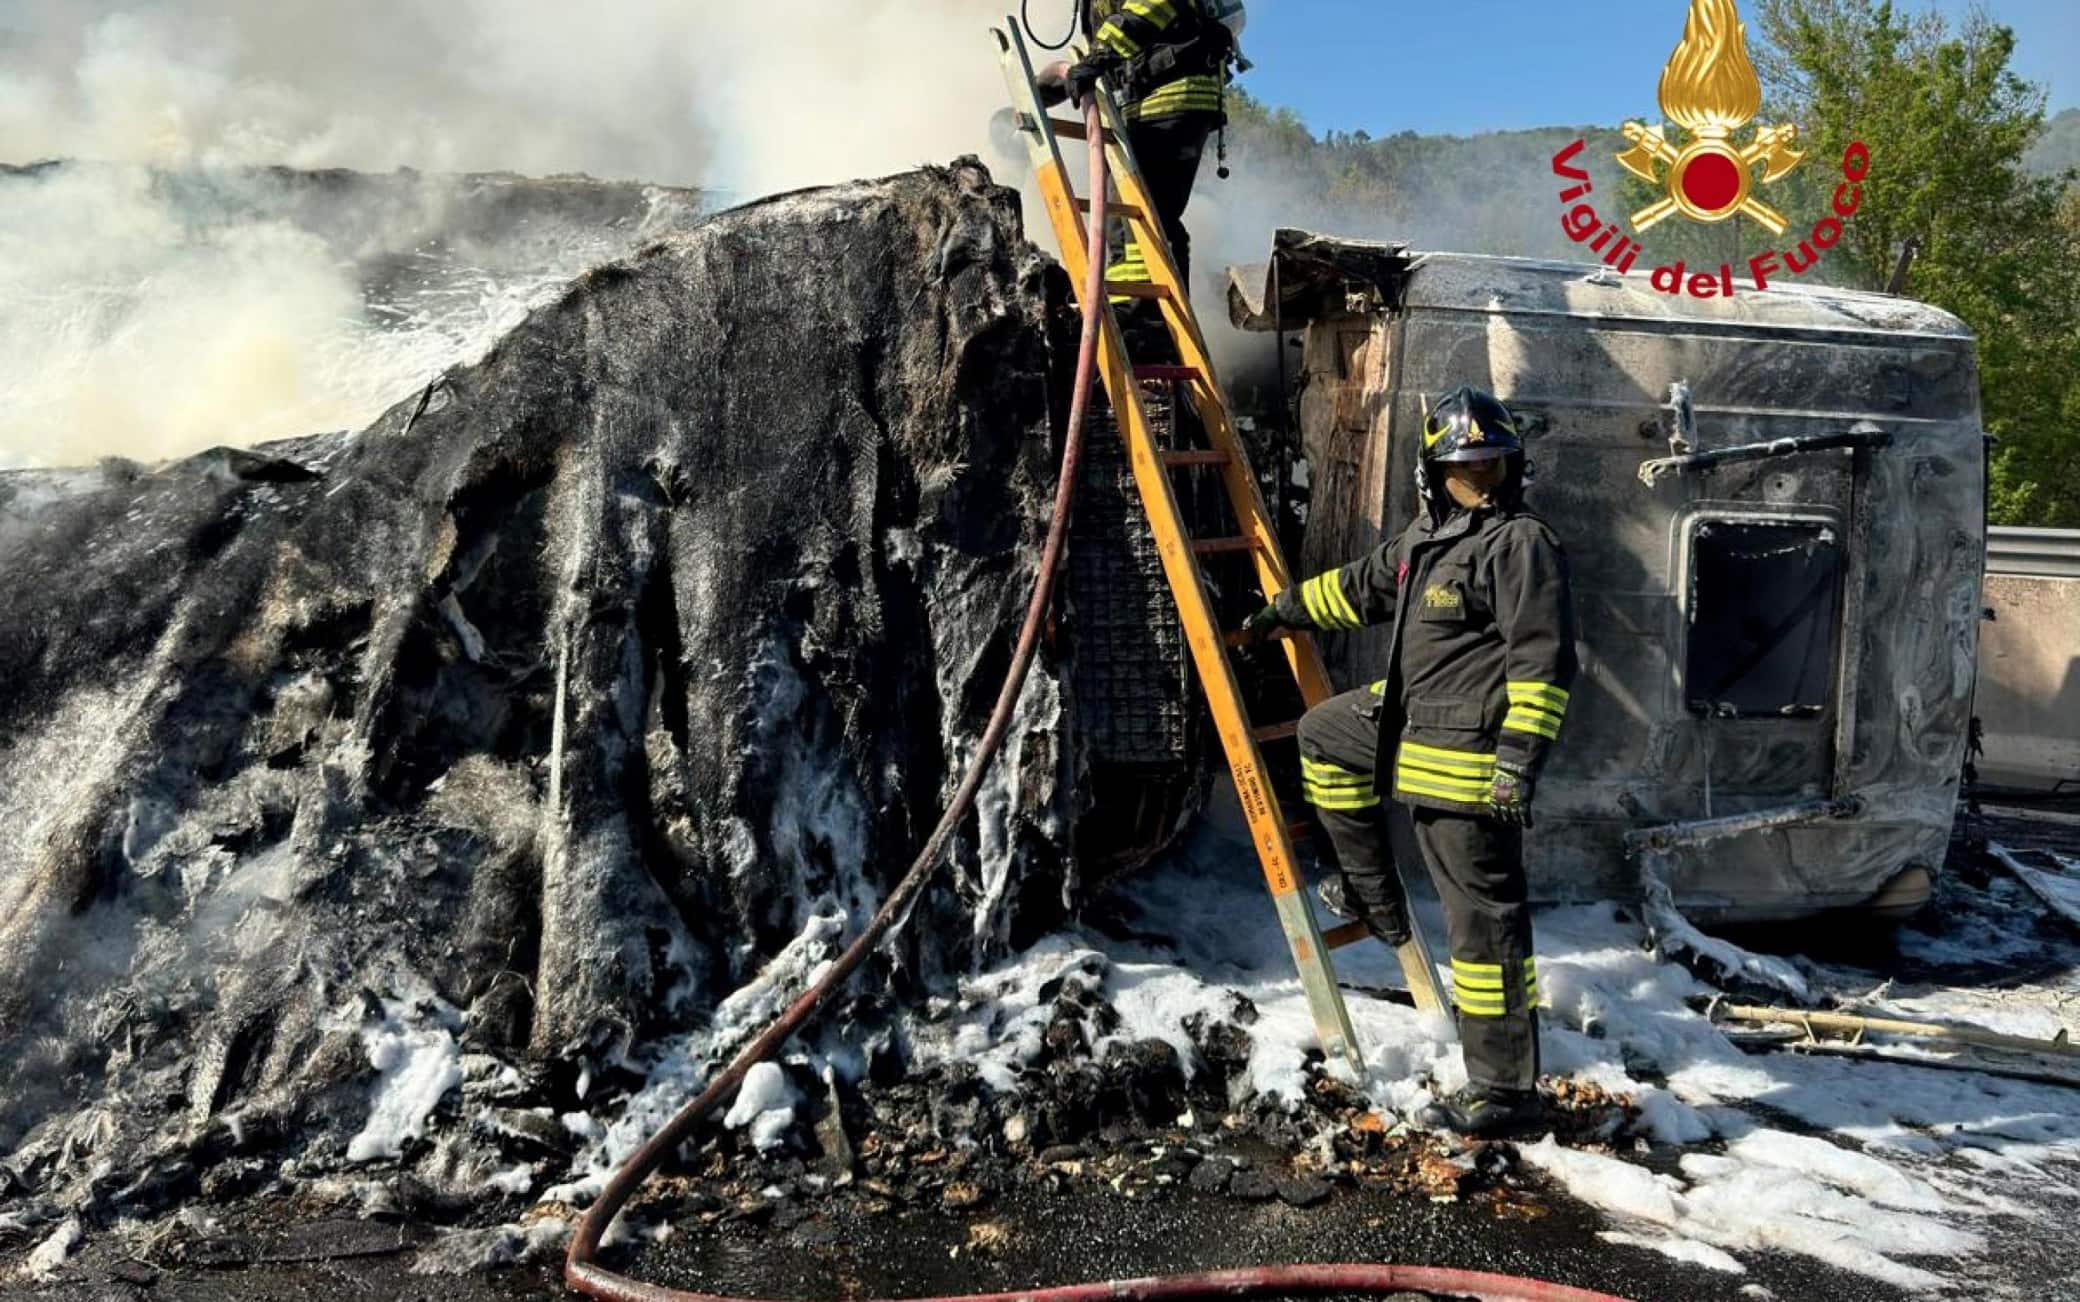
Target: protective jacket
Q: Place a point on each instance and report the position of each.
(1174, 54)
(1482, 658)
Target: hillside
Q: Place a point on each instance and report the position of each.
(1488, 193)
(2060, 146)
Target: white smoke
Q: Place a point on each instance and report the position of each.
(134, 324)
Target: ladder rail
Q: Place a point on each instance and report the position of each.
(1204, 394)
(1179, 553)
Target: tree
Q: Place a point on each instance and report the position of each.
(1948, 125)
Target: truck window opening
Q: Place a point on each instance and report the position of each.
(1765, 606)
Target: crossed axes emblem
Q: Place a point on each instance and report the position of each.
(1771, 149)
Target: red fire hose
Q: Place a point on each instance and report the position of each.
(584, 1273)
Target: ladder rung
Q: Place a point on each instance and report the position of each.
(1277, 731)
(1126, 212)
(1075, 131)
(1166, 374)
(1350, 933)
(1137, 289)
(1223, 546)
(1175, 460)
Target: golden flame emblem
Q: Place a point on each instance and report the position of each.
(1710, 90)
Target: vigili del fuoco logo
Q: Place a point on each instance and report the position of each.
(1710, 91)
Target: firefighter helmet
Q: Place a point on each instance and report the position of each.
(1470, 424)
(1230, 14)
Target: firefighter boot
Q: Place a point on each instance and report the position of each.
(1485, 1112)
(1377, 903)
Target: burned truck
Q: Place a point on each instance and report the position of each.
(1775, 510)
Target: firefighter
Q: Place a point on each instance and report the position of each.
(1169, 60)
(1481, 662)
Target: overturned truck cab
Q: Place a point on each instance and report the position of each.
(1775, 510)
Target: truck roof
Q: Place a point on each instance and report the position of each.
(1314, 275)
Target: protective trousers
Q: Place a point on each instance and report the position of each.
(1169, 151)
(1478, 866)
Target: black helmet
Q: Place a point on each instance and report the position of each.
(1470, 424)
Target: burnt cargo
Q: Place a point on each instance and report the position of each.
(1775, 508)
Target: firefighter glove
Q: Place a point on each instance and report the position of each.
(1085, 75)
(1261, 626)
(1511, 792)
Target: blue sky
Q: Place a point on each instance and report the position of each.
(1477, 65)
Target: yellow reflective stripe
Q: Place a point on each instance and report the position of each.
(1180, 96)
(1471, 786)
(1361, 786)
(1471, 783)
(1131, 267)
(1332, 601)
(1543, 725)
(1439, 755)
(1331, 776)
(1317, 604)
(1158, 12)
(1349, 800)
(1310, 596)
(1553, 698)
(1477, 988)
(1411, 786)
(1379, 688)
(1325, 603)
(1333, 582)
(1449, 768)
(1421, 774)
(1122, 44)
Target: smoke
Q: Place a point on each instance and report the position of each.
(151, 324)
(151, 320)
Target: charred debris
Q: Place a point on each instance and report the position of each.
(469, 756)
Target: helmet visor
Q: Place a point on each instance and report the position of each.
(1466, 452)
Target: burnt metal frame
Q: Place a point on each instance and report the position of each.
(1863, 437)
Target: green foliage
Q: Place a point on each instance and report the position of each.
(1962, 161)
(1949, 125)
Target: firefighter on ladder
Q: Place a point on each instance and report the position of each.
(1170, 61)
(1481, 662)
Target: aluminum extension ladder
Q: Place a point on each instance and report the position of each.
(1194, 378)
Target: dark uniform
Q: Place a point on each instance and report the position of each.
(1481, 663)
(1170, 58)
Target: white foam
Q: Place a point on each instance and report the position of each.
(765, 1102)
(469, 1252)
(678, 1069)
(1892, 1172)
(1685, 1250)
(419, 1064)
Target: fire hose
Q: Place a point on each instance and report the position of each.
(581, 1269)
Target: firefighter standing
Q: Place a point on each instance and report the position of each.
(1477, 684)
(1169, 59)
